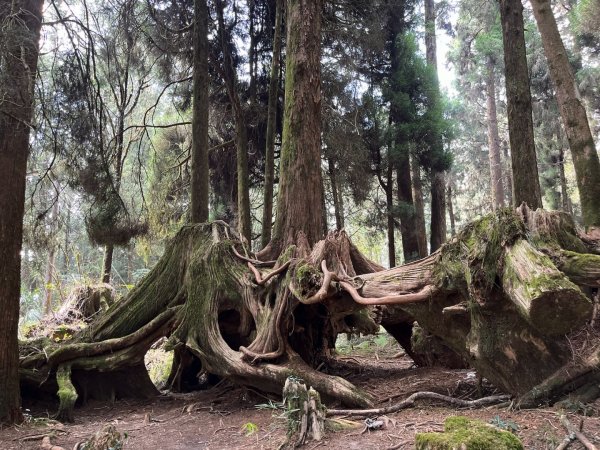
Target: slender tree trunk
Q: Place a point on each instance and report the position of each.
(508, 180)
(399, 157)
(417, 192)
(572, 111)
(241, 141)
(438, 211)
(451, 210)
(389, 197)
(526, 184)
(408, 222)
(565, 199)
(337, 197)
(267, 223)
(438, 183)
(50, 267)
(300, 187)
(493, 138)
(201, 81)
(20, 23)
(49, 288)
(107, 261)
(67, 243)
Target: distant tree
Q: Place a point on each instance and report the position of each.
(20, 24)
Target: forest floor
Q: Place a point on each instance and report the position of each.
(229, 417)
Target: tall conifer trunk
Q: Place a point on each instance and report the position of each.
(20, 23)
(526, 184)
(267, 222)
(493, 138)
(438, 179)
(200, 180)
(299, 205)
(572, 111)
(241, 140)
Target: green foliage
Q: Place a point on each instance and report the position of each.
(470, 434)
(249, 428)
(507, 425)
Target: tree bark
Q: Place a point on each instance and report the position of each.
(451, 210)
(241, 141)
(417, 193)
(438, 182)
(526, 184)
(300, 191)
(338, 202)
(20, 23)
(572, 111)
(493, 138)
(438, 211)
(201, 81)
(267, 222)
(107, 261)
(389, 200)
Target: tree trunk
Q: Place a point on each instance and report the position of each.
(417, 192)
(20, 23)
(526, 184)
(564, 193)
(338, 204)
(300, 195)
(438, 211)
(389, 200)
(438, 183)
(241, 141)
(107, 261)
(267, 222)
(572, 111)
(493, 138)
(201, 81)
(406, 211)
(451, 210)
(49, 287)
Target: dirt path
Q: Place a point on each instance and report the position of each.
(227, 417)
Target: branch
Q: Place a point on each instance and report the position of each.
(410, 401)
(578, 434)
(259, 279)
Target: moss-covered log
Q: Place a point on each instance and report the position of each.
(500, 296)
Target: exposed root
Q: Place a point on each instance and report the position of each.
(256, 262)
(259, 278)
(425, 294)
(410, 401)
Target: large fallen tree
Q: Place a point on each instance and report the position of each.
(510, 294)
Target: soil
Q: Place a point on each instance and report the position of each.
(227, 417)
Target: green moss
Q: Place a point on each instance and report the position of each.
(308, 278)
(469, 434)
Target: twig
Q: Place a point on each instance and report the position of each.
(578, 434)
(565, 442)
(399, 445)
(410, 401)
